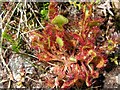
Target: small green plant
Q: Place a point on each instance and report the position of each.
(44, 11)
(15, 44)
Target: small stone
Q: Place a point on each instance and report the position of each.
(118, 79)
(18, 77)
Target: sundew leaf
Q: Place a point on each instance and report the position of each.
(60, 41)
(73, 59)
(60, 20)
(52, 10)
(98, 61)
(70, 82)
(94, 23)
(88, 80)
(86, 14)
(48, 41)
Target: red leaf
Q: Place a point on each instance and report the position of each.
(50, 82)
(53, 10)
(95, 74)
(71, 81)
(79, 38)
(98, 61)
(44, 57)
(88, 80)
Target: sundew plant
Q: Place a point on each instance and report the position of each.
(73, 56)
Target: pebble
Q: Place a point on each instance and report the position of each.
(118, 79)
(18, 77)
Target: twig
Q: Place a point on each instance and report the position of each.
(10, 16)
(3, 81)
(36, 17)
(21, 14)
(4, 63)
(3, 29)
(6, 50)
(26, 54)
(33, 79)
(9, 84)
(32, 30)
(11, 27)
